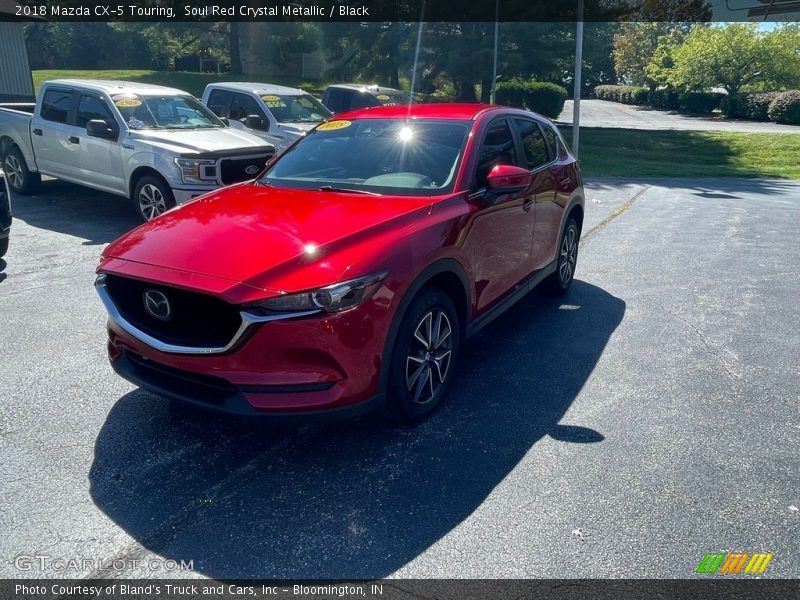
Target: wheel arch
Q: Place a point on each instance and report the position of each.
(446, 274)
(140, 172)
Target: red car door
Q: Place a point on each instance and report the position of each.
(500, 230)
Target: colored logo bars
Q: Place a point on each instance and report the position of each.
(733, 563)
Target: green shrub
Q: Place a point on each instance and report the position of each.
(700, 102)
(749, 105)
(511, 93)
(785, 108)
(545, 98)
(627, 94)
(664, 99)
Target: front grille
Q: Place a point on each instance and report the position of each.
(234, 170)
(196, 320)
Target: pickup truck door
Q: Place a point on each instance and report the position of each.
(52, 137)
(100, 161)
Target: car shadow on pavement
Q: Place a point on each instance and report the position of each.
(358, 499)
(62, 207)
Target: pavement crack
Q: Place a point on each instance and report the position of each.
(707, 346)
(616, 213)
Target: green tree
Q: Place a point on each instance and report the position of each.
(636, 44)
(736, 55)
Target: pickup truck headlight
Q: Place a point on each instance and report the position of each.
(197, 170)
(329, 299)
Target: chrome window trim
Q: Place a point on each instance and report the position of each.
(248, 319)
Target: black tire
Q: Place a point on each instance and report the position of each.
(559, 282)
(420, 374)
(3, 247)
(20, 179)
(152, 197)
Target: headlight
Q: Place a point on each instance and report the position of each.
(333, 298)
(194, 170)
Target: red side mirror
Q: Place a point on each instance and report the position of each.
(508, 179)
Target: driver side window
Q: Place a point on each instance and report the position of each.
(497, 149)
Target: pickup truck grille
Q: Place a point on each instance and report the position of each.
(195, 319)
(234, 170)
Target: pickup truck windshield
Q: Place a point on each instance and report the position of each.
(296, 109)
(164, 112)
(384, 156)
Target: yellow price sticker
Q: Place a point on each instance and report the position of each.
(271, 98)
(128, 103)
(334, 125)
(382, 97)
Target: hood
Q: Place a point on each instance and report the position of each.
(255, 234)
(201, 141)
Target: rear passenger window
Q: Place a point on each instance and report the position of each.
(552, 141)
(219, 101)
(497, 149)
(55, 105)
(533, 143)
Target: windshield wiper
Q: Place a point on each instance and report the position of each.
(330, 188)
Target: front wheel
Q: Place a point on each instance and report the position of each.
(424, 357)
(559, 282)
(152, 197)
(20, 178)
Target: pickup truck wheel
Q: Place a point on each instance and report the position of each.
(20, 179)
(152, 197)
(423, 358)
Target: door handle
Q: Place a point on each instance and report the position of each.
(37, 131)
(74, 139)
(565, 181)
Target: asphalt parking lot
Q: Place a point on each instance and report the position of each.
(648, 418)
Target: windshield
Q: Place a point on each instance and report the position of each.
(296, 109)
(391, 156)
(164, 112)
(392, 98)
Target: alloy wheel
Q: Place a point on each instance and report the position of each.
(151, 202)
(429, 357)
(14, 172)
(569, 254)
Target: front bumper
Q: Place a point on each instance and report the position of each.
(326, 363)
(184, 194)
(216, 394)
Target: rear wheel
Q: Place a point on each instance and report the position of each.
(20, 178)
(152, 197)
(559, 282)
(423, 357)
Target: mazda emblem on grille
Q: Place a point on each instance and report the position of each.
(157, 305)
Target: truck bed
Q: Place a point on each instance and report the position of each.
(25, 108)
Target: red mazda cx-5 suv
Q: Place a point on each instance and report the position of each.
(347, 276)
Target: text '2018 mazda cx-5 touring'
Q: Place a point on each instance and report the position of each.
(348, 275)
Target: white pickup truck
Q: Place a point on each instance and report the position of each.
(158, 146)
(280, 115)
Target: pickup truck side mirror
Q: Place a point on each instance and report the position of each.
(256, 122)
(100, 129)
